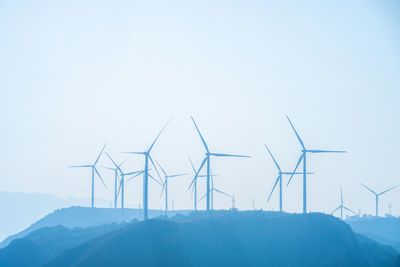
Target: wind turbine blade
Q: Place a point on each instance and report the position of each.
(388, 190)
(219, 191)
(119, 188)
(191, 193)
(297, 165)
(336, 209)
(135, 153)
(101, 178)
(122, 163)
(296, 173)
(372, 191)
(349, 210)
(154, 179)
(201, 137)
(137, 172)
(115, 164)
(134, 176)
(298, 136)
(155, 167)
(228, 155)
(161, 168)
(273, 188)
(162, 190)
(98, 157)
(108, 168)
(163, 187)
(202, 197)
(326, 151)
(272, 156)
(176, 175)
(155, 140)
(81, 166)
(197, 173)
(191, 163)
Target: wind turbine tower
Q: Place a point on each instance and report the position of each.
(212, 190)
(122, 181)
(207, 158)
(194, 189)
(146, 173)
(165, 184)
(116, 181)
(303, 158)
(279, 179)
(341, 207)
(94, 170)
(377, 195)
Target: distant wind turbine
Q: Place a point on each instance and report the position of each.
(195, 183)
(165, 184)
(303, 158)
(116, 180)
(122, 181)
(207, 160)
(341, 207)
(212, 190)
(94, 170)
(377, 195)
(146, 173)
(279, 179)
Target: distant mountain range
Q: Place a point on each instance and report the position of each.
(383, 230)
(226, 238)
(19, 210)
(86, 217)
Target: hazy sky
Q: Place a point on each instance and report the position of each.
(77, 74)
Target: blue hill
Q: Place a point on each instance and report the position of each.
(85, 217)
(232, 239)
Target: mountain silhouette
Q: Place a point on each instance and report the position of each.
(85, 217)
(46, 243)
(232, 239)
(385, 230)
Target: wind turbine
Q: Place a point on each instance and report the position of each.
(146, 173)
(116, 181)
(122, 181)
(377, 195)
(195, 184)
(341, 207)
(303, 158)
(212, 190)
(165, 184)
(122, 184)
(207, 160)
(94, 170)
(279, 179)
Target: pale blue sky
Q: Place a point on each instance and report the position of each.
(75, 74)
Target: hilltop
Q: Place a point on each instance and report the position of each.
(111, 237)
(19, 210)
(46, 243)
(85, 217)
(232, 239)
